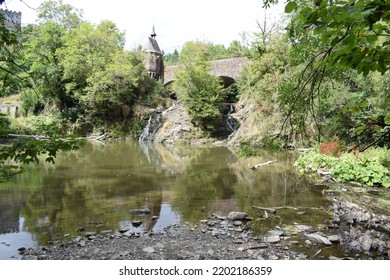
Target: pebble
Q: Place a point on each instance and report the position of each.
(237, 223)
(149, 250)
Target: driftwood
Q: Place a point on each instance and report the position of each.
(254, 167)
(273, 210)
(38, 137)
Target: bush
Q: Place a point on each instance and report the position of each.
(363, 170)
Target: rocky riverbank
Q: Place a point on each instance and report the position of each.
(354, 232)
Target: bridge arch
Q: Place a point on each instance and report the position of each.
(230, 67)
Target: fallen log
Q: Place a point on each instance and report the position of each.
(269, 210)
(273, 210)
(38, 137)
(254, 167)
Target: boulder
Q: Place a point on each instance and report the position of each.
(318, 238)
(234, 216)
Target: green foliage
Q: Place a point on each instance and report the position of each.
(248, 149)
(41, 125)
(331, 39)
(60, 13)
(363, 170)
(29, 150)
(200, 91)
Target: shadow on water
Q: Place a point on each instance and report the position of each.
(92, 190)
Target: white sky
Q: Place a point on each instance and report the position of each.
(175, 21)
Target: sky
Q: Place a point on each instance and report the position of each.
(175, 21)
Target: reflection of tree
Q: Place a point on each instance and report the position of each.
(277, 185)
(207, 179)
(96, 187)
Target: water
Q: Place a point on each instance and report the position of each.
(93, 189)
(153, 124)
(230, 122)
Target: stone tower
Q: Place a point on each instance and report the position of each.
(12, 20)
(154, 58)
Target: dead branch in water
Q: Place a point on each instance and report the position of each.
(273, 210)
(254, 167)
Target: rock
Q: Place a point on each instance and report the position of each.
(237, 223)
(140, 211)
(293, 242)
(365, 243)
(154, 218)
(136, 223)
(272, 239)
(160, 245)
(334, 238)
(275, 232)
(148, 250)
(30, 258)
(304, 228)
(21, 250)
(308, 242)
(90, 233)
(373, 192)
(82, 243)
(237, 216)
(318, 238)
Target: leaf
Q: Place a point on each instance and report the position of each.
(372, 38)
(387, 120)
(359, 130)
(291, 6)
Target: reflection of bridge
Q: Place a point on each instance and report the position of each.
(227, 69)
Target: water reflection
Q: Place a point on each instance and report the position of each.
(94, 189)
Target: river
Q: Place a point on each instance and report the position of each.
(93, 189)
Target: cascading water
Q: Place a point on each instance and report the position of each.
(230, 122)
(154, 123)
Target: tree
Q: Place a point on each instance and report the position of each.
(200, 91)
(40, 53)
(342, 35)
(64, 15)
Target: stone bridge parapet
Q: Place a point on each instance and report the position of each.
(230, 68)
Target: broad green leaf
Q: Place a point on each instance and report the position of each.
(372, 38)
(291, 6)
(387, 120)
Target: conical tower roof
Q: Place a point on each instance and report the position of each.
(152, 45)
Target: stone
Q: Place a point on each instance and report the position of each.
(318, 238)
(234, 215)
(304, 228)
(154, 218)
(82, 243)
(334, 238)
(308, 242)
(140, 211)
(148, 250)
(275, 232)
(237, 223)
(272, 239)
(160, 245)
(136, 223)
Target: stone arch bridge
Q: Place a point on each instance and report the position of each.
(226, 69)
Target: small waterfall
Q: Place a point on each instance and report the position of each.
(230, 122)
(154, 123)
